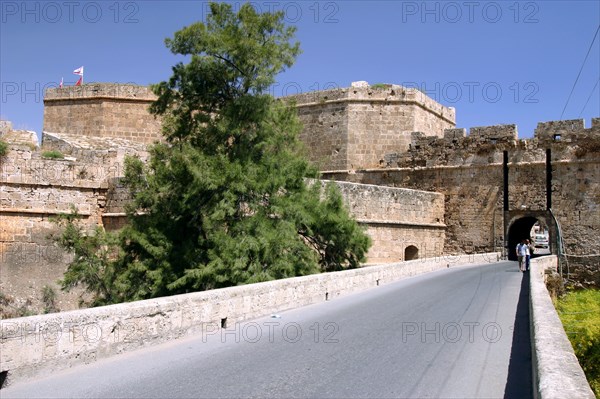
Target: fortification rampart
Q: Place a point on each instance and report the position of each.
(403, 224)
(384, 135)
(351, 128)
(102, 110)
(34, 188)
(468, 170)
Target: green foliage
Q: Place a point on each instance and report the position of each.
(380, 86)
(95, 260)
(49, 299)
(225, 200)
(3, 148)
(579, 312)
(232, 56)
(53, 154)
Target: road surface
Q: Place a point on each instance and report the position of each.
(460, 332)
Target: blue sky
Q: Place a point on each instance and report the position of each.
(496, 62)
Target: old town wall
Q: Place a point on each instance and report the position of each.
(468, 170)
(102, 110)
(35, 188)
(350, 128)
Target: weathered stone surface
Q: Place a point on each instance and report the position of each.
(32, 190)
(556, 370)
(385, 127)
(398, 220)
(352, 128)
(468, 171)
(102, 110)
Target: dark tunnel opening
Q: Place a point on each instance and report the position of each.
(519, 230)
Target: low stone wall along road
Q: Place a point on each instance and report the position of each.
(458, 332)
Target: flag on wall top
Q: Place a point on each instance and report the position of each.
(61, 83)
(79, 71)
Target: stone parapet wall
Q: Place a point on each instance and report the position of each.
(396, 219)
(79, 167)
(390, 204)
(380, 93)
(556, 370)
(484, 145)
(43, 344)
(474, 198)
(498, 132)
(355, 127)
(100, 90)
(102, 110)
(33, 189)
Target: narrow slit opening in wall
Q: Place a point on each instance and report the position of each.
(3, 375)
(377, 281)
(327, 296)
(224, 322)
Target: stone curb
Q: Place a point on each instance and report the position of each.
(556, 370)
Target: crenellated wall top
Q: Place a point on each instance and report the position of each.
(100, 90)
(382, 93)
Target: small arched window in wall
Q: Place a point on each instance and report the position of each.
(411, 252)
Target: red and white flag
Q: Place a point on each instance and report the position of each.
(61, 83)
(79, 81)
(78, 71)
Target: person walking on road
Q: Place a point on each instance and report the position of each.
(530, 249)
(522, 254)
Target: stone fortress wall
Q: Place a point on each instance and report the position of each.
(425, 187)
(102, 110)
(351, 127)
(34, 188)
(468, 170)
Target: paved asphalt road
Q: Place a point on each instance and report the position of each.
(460, 333)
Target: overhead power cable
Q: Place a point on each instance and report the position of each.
(588, 99)
(579, 74)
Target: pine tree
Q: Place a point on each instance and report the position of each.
(228, 199)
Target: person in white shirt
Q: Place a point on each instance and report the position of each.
(530, 249)
(522, 254)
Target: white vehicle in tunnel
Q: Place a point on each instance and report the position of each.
(540, 241)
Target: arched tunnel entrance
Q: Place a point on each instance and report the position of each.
(519, 230)
(411, 252)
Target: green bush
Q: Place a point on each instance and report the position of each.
(380, 86)
(49, 299)
(3, 148)
(579, 312)
(53, 154)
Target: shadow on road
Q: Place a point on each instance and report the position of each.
(519, 382)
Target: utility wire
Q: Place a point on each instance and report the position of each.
(590, 96)
(581, 69)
